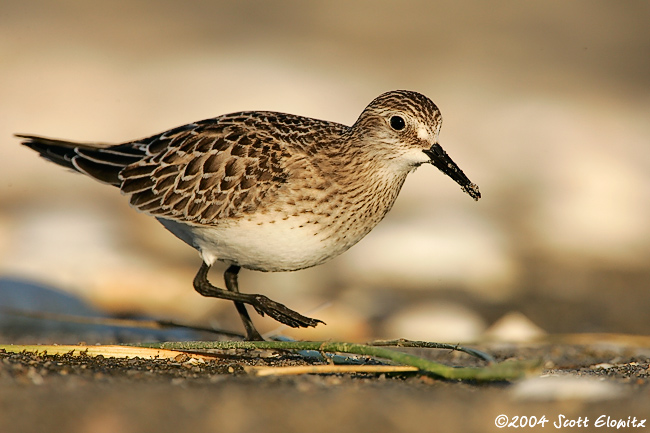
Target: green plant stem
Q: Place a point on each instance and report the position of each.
(506, 370)
(431, 345)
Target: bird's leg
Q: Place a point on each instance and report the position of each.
(261, 303)
(230, 277)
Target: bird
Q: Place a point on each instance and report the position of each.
(268, 191)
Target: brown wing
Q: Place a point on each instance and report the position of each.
(206, 173)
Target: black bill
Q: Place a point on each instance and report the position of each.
(440, 159)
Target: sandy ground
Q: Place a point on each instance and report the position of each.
(592, 382)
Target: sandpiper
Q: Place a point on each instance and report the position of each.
(269, 191)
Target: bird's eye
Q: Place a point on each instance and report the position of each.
(397, 123)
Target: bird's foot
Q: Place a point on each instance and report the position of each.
(263, 305)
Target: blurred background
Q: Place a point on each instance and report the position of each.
(546, 107)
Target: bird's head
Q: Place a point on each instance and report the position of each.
(403, 127)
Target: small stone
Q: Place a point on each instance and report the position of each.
(514, 327)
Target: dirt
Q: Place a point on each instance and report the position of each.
(97, 394)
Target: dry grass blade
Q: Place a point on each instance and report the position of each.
(108, 351)
(329, 369)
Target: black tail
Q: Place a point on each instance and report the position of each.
(99, 161)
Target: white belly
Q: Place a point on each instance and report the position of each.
(265, 246)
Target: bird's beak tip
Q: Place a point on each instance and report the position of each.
(444, 163)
